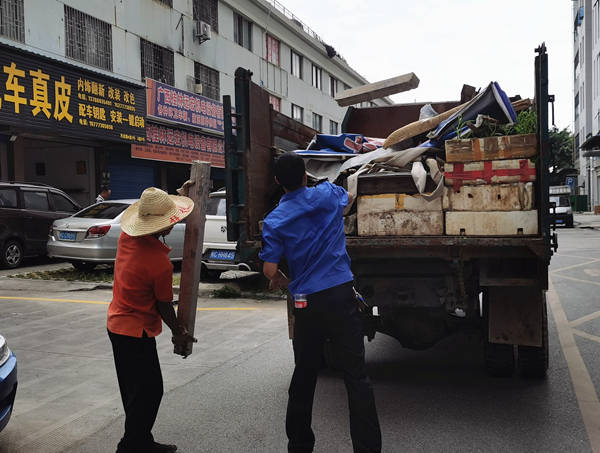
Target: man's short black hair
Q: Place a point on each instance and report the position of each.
(290, 170)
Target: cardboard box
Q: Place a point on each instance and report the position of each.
(492, 223)
(491, 148)
(489, 197)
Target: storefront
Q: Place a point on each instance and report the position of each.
(68, 127)
(181, 127)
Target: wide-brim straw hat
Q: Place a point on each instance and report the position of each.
(155, 211)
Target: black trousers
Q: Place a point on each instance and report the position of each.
(141, 386)
(331, 314)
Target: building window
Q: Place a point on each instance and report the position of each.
(88, 39)
(297, 113)
(317, 122)
(317, 77)
(297, 64)
(207, 11)
(275, 102)
(242, 31)
(12, 22)
(209, 78)
(157, 62)
(333, 127)
(333, 86)
(272, 50)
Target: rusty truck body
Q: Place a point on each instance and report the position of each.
(415, 281)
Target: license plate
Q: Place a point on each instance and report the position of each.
(223, 255)
(67, 235)
(558, 221)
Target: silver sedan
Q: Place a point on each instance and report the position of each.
(90, 236)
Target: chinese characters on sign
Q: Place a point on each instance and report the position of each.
(168, 103)
(39, 93)
(178, 145)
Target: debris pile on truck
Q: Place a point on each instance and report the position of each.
(471, 173)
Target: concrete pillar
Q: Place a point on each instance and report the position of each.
(19, 159)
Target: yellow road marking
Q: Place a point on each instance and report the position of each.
(585, 392)
(583, 334)
(576, 279)
(100, 302)
(584, 319)
(574, 266)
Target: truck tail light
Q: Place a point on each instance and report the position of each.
(96, 232)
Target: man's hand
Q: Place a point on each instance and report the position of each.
(181, 338)
(279, 281)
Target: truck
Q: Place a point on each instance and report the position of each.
(415, 282)
(561, 212)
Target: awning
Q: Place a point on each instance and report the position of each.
(591, 146)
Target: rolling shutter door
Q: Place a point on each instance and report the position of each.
(128, 180)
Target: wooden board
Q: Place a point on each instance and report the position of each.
(377, 90)
(490, 197)
(391, 202)
(387, 182)
(489, 172)
(510, 223)
(491, 148)
(401, 223)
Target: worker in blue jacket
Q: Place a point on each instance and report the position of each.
(307, 228)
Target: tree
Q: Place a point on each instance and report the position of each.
(561, 149)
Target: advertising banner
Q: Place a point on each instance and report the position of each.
(38, 92)
(172, 104)
(177, 145)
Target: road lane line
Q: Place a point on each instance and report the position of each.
(573, 266)
(585, 392)
(100, 302)
(584, 319)
(576, 279)
(576, 256)
(582, 334)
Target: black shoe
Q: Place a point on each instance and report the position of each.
(162, 448)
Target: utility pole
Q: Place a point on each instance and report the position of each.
(192, 249)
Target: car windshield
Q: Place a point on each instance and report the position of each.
(562, 201)
(103, 211)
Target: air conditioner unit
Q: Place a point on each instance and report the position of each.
(198, 88)
(203, 31)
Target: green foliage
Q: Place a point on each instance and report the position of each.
(526, 124)
(561, 149)
(226, 292)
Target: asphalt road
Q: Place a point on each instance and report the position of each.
(230, 395)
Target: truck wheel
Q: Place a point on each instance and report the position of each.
(532, 360)
(499, 359)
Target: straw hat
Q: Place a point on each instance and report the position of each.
(155, 211)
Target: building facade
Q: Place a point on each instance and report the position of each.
(586, 78)
(188, 50)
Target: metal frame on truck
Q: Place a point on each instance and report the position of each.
(425, 287)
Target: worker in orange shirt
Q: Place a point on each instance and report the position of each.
(142, 299)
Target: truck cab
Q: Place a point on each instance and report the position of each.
(561, 212)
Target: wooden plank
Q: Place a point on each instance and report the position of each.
(396, 182)
(490, 197)
(489, 172)
(401, 223)
(192, 250)
(481, 223)
(377, 90)
(391, 202)
(491, 148)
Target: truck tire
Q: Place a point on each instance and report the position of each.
(499, 359)
(532, 360)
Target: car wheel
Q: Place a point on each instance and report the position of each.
(12, 254)
(84, 266)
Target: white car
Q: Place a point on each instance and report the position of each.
(218, 254)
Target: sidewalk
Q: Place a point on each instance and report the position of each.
(587, 220)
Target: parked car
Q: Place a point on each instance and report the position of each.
(561, 212)
(218, 254)
(8, 382)
(90, 236)
(26, 213)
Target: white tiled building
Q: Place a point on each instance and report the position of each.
(193, 45)
(586, 52)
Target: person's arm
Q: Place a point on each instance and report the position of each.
(167, 313)
(277, 278)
